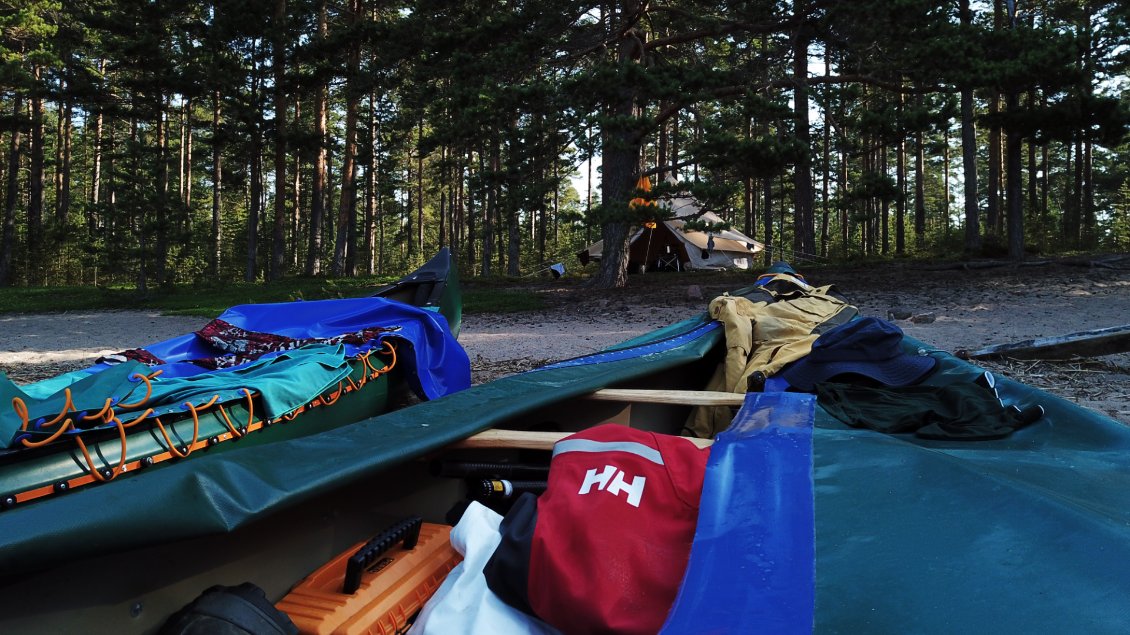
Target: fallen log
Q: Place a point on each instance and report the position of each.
(1094, 343)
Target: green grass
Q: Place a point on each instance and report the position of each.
(210, 300)
(200, 300)
(500, 301)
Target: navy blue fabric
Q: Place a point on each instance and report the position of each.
(439, 363)
(781, 266)
(753, 561)
(868, 346)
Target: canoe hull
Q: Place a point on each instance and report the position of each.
(135, 591)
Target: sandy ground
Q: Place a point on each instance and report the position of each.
(969, 310)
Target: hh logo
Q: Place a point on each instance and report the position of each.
(611, 480)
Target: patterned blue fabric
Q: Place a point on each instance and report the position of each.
(439, 363)
(436, 364)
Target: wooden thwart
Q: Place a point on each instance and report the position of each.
(526, 440)
(678, 397)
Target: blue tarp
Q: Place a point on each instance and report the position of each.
(753, 562)
(438, 360)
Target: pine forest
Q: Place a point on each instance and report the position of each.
(165, 142)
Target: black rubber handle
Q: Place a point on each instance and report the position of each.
(503, 488)
(407, 530)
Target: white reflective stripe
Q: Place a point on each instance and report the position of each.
(631, 447)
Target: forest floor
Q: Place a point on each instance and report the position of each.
(970, 309)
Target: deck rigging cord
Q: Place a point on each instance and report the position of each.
(165, 435)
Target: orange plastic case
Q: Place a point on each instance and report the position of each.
(392, 588)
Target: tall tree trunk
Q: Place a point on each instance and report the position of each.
(328, 233)
(620, 170)
(1033, 202)
(186, 167)
(380, 218)
(409, 209)
(296, 227)
(1086, 32)
(900, 202)
(181, 182)
(748, 206)
(469, 212)
(588, 193)
(825, 187)
(993, 215)
(543, 225)
(871, 230)
(189, 144)
(371, 187)
(513, 241)
(36, 175)
(112, 183)
(490, 203)
(992, 207)
(885, 203)
(1044, 181)
(620, 161)
(137, 216)
(419, 237)
(346, 213)
(804, 239)
(255, 208)
(96, 151)
(969, 155)
(845, 220)
(460, 221)
(1074, 206)
(217, 188)
(556, 198)
(946, 179)
(278, 62)
(318, 178)
(161, 257)
(443, 195)
(500, 227)
(95, 169)
(767, 217)
(255, 205)
(1014, 186)
(781, 219)
(919, 192)
(1089, 228)
(992, 203)
(63, 169)
(11, 197)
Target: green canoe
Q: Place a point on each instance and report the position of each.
(144, 407)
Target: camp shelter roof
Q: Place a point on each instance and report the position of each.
(670, 240)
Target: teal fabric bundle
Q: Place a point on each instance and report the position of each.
(282, 383)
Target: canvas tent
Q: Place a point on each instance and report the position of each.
(668, 246)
